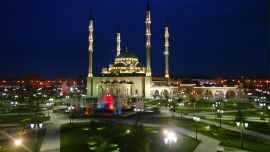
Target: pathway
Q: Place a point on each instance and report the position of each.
(51, 141)
(167, 113)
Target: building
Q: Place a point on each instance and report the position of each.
(127, 76)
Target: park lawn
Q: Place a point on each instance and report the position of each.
(199, 104)
(262, 127)
(226, 137)
(237, 105)
(28, 140)
(186, 111)
(93, 136)
(249, 113)
(6, 119)
(155, 102)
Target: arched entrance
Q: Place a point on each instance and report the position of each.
(208, 94)
(231, 94)
(219, 95)
(156, 94)
(165, 94)
(100, 90)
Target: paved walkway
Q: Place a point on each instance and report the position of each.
(167, 113)
(51, 141)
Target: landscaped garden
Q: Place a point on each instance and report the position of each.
(94, 136)
(262, 127)
(226, 137)
(29, 118)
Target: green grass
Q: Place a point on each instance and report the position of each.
(109, 137)
(28, 140)
(249, 113)
(161, 102)
(262, 127)
(6, 119)
(226, 137)
(236, 106)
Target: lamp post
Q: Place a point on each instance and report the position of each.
(49, 105)
(269, 116)
(220, 112)
(36, 126)
(242, 125)
(262, 104)
(257, 102)
(169, 100)
(181, 105)
(196, 119)
(215, 107)
(170, 138)
(70, 109)
(225, 101)
(13, 104)
(17, 142)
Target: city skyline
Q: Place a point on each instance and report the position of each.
(202, 41)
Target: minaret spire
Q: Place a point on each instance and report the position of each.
(148, 40)
(147, 6)
(90, 49)
(166, 53)
(118, 43)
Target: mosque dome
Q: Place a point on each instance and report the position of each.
(119, 65)
(126, 55)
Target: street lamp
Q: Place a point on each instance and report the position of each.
(36, 126)
(263, 98)
(49, 105)
(242, 125)
(181, 105)
(196, 119)
(13, 104)
(225, 101)
(257, 101)
(170, 138)
(215, 107)
(70, 109)
(17, 142)
(263, 104)
(220, 112)
(169, 100)
(269, 116)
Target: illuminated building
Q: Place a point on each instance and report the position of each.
(127, 76)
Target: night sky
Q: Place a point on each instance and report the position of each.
(207, 37)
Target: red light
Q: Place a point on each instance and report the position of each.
(108, 98)
(109, 101)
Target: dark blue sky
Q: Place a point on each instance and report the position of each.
(207, 37)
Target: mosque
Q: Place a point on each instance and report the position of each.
(128, 76)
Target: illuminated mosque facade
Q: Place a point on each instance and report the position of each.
(127, 75)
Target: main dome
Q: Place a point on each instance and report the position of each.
(125, 63)
(126, 55)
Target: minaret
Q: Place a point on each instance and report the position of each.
(148, 40)
(118, 43)
(166, 53)
(90, 49)
(90, 66)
